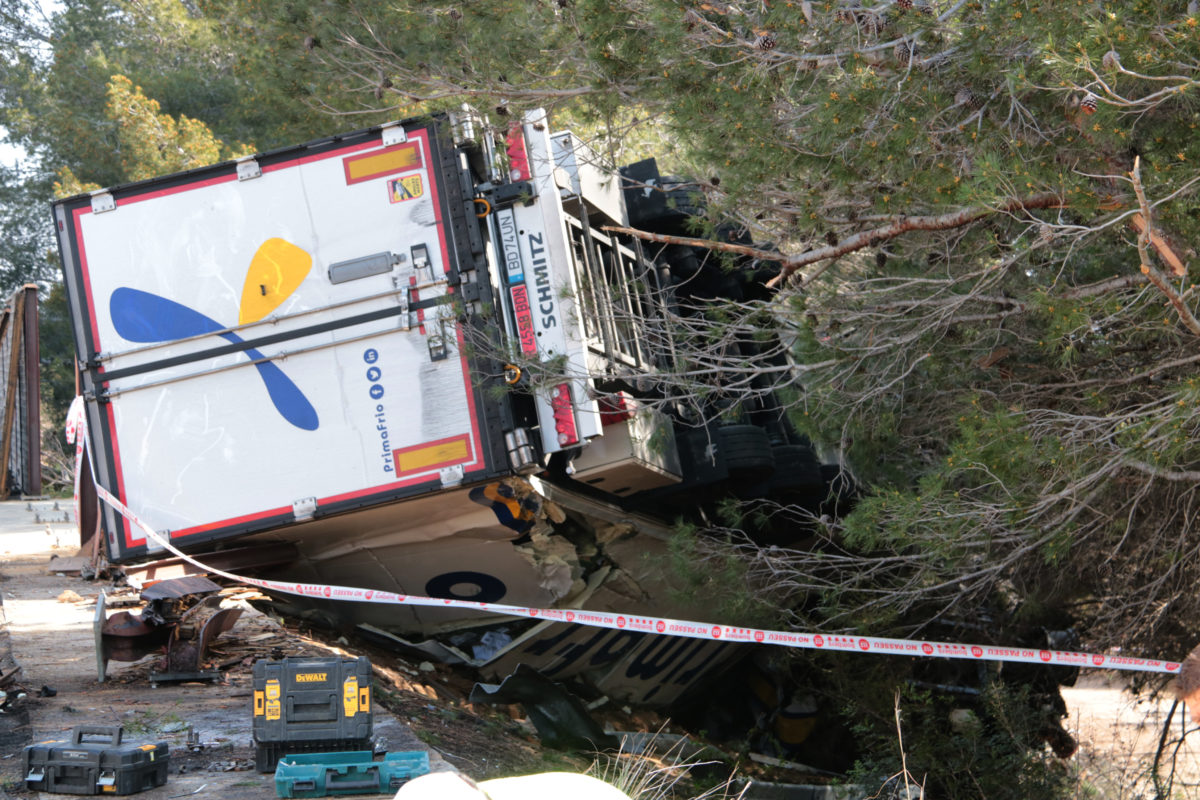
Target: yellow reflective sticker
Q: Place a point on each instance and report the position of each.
(276, 270)
(274, 707)
(382, 162)
(350, 696)
(438, 454)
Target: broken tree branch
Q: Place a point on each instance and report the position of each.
(1145, 236)
(1165, 251)
(902, 225)
(897, 227)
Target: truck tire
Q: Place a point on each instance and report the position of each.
(797, 469)
(746, 451)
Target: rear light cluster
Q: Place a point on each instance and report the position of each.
(518, 159)
(564, 415)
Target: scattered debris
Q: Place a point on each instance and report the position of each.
(182, 617)
(561, 719)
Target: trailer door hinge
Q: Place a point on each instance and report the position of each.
(248, 168)
(102, 201)
(154, 546)
(305, 508)
(394, 133)
(452, 476)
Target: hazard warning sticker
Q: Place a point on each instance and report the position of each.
(409, 187)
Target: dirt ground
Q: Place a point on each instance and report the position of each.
(1120, 735)
(50, 630)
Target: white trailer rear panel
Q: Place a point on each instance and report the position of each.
(278, 337)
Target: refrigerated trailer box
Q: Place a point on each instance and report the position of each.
(276, 338)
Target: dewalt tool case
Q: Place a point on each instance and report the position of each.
(310, 705)
(94, 761)
(323, 774)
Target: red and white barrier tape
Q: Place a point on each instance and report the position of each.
(77, 432)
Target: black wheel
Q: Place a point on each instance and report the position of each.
(797, 469)
(746, 451)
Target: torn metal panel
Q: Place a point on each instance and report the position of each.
(560, 718)
(555, 561)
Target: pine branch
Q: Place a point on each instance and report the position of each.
(904, 224)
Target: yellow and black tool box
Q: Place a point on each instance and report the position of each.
(310, 705)
(94, 761)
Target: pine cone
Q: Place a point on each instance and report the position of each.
(904, 5)
(1089, 104)
(765, 41)
(904, 51)
(1111, 60)
(966, 97)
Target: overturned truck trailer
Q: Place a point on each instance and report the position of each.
(347, 351)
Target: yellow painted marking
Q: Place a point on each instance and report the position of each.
(382, 163)
(441, 453)
(276, 270)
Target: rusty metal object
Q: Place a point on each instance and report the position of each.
(181, 618)
(194, 632)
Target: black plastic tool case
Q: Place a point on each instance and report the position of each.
(95, 761)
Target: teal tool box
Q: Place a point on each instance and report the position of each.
(310, 705)
(324, 774)
(94, 761)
